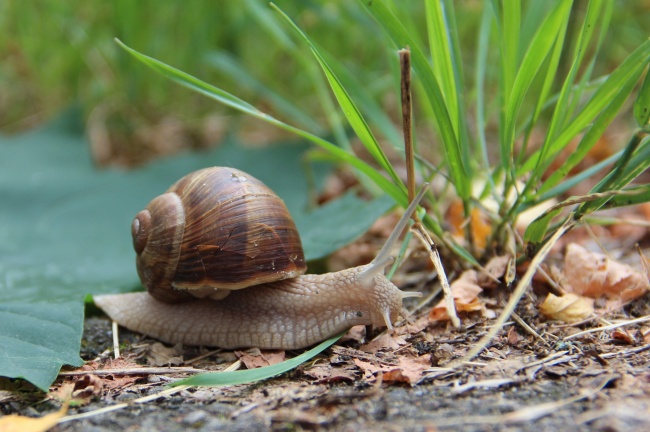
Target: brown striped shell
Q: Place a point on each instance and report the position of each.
(215, 230)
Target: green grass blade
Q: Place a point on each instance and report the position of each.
(348, 106)
(631, 68)
(442, 60)
(234, 102)
(561, 114)
(228, 65)
(253, 375)
(591, 137)
(549, 33)
(634, 161)
(460, 171)
(570, 183)
(642, 103)
(630, 196)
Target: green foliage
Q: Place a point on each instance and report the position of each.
(64, 232)
(258, 374)
(525, 44)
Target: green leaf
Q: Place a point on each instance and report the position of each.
(252, 375)
(36, 339)
(64, 231)
(332, 226)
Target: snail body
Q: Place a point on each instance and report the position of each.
(219, 230)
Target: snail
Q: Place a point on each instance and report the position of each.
(223, 265)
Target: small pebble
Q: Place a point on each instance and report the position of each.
(195, 417)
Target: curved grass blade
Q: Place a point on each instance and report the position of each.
(348, 106)
(228, 65)
(548, 34)
(631, 68)
(460, 170)
(253, 375)
(232, 101)
(642, 103)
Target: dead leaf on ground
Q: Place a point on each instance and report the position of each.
(160, 355)
(255, 358)
(465, 291)
(478, 223)
(409, 370)
(595, 275)
(569, 308)
(329, 373)
(18, 423)
(390, 342)
(496, 269)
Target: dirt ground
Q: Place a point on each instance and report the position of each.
(594, 383)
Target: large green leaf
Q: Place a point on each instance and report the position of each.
(64, 231)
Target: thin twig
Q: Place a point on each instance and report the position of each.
(422, 235)
(517, 293)
(528, 328)
(116, 340)
(405, 72)
(609, 327)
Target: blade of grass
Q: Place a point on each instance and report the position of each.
(642, 103)
(631, 68)
(635, 160)
(591, 137)
(234, 102)
(253, 375)
(348, 106)
(459, 169)
(229, 66)
(442, 60)
(548, 34)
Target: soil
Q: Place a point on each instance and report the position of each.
(518, 384)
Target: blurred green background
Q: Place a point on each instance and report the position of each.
(55, 53)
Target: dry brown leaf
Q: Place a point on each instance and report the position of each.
(496, 269)
(594, 275)
(481, 229)
(384, 342)
(568, 308)
(254, 358)
(465, 291)
(409, 370)
(328, 373)
(159, 355)
(17, 423)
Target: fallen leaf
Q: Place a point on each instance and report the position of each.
(568, 308)
(622, 336)
(328, 373)
(17, 423)
(385, 342)
(496, 269)
(255, 358)
(465, 291)
(595, 275)
(159, 355)
(479, 226)
(410, 369)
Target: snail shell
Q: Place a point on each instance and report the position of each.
(215, 230)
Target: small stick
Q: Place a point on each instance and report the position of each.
(417, 229)
(407, 128)
(116, 340)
